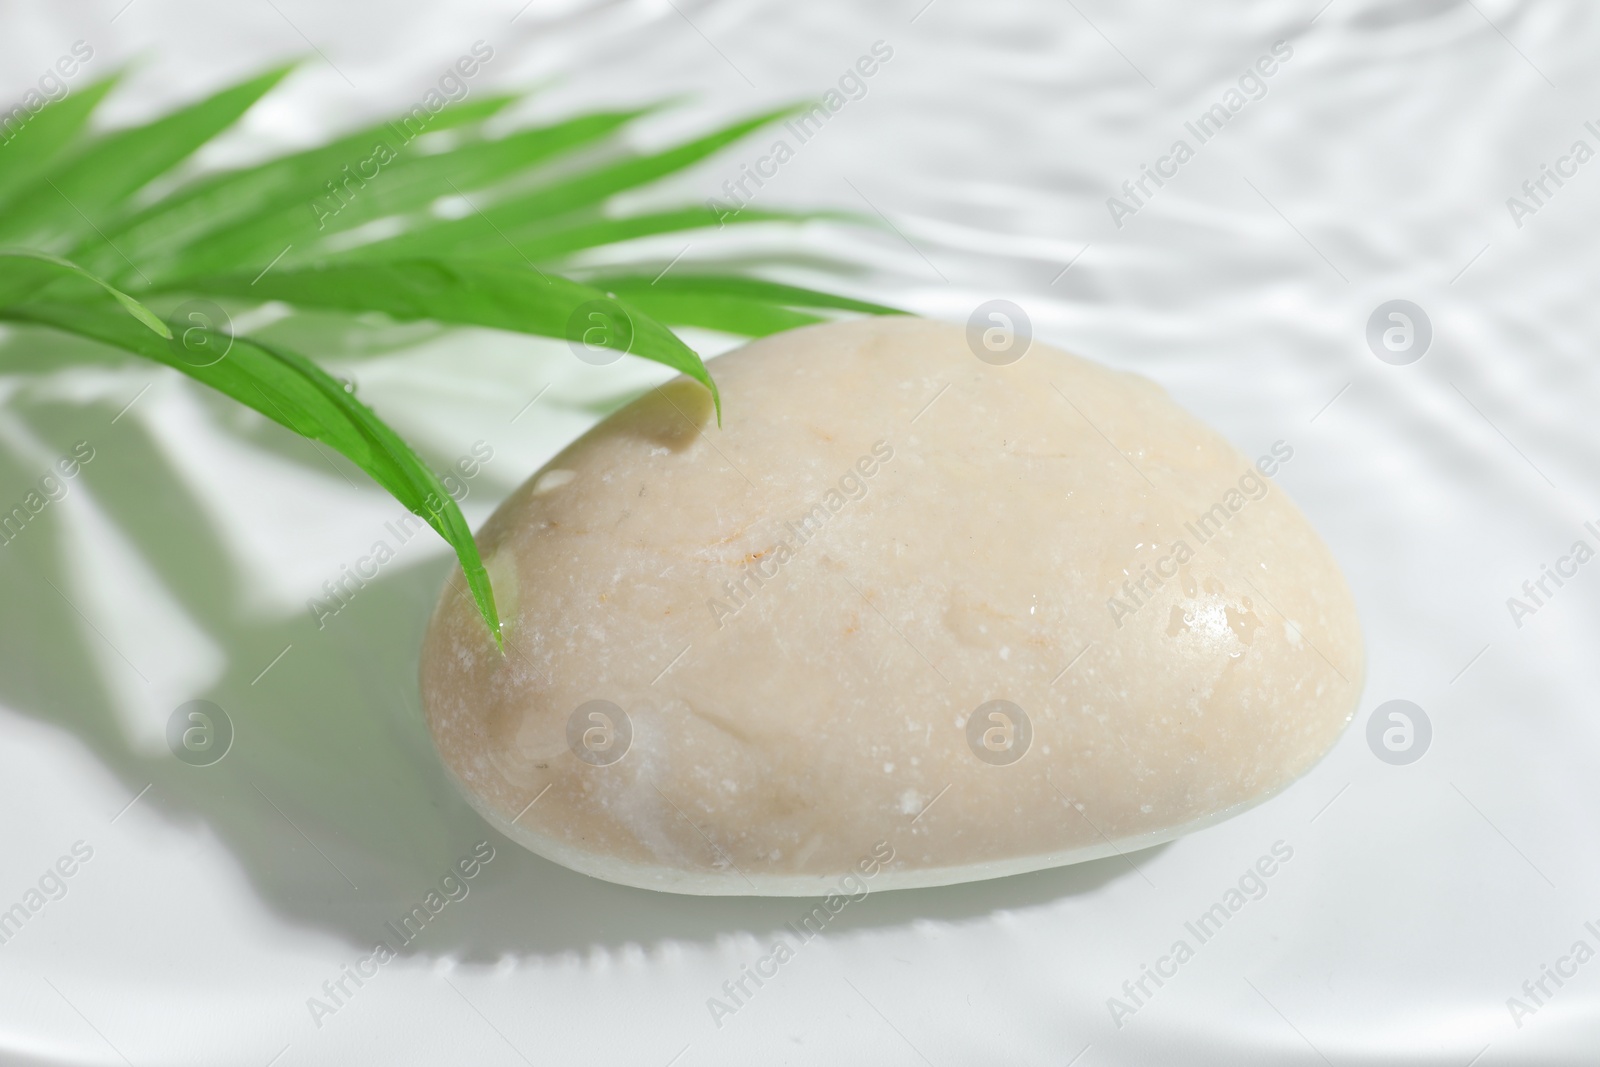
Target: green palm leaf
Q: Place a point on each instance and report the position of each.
(462, 226)
(749, 306)
(480, 294)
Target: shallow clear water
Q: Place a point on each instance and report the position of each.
(1375, 163)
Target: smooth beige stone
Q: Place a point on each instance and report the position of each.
(813, 724)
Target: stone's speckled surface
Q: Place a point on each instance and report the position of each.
(798, 613)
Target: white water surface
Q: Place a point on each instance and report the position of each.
(1375, 165)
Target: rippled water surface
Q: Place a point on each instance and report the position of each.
(1375, 163)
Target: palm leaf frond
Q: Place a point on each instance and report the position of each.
(431, 216)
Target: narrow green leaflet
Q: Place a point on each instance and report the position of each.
(24, 273)
(718, 311)
(293, 392)
(164, 229)
(737, 286)
(606, 181)
(299, 224)
(71, 198)
(33, 146)
(750, 306)
(544, 205)
(479, 294)
(542, 242)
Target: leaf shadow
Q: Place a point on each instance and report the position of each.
(330, 798)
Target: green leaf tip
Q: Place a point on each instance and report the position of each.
(24, 272)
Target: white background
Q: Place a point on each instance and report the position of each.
(1419, 898)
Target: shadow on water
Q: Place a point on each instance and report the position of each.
(331, 798)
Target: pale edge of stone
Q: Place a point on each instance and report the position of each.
(732, 883)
